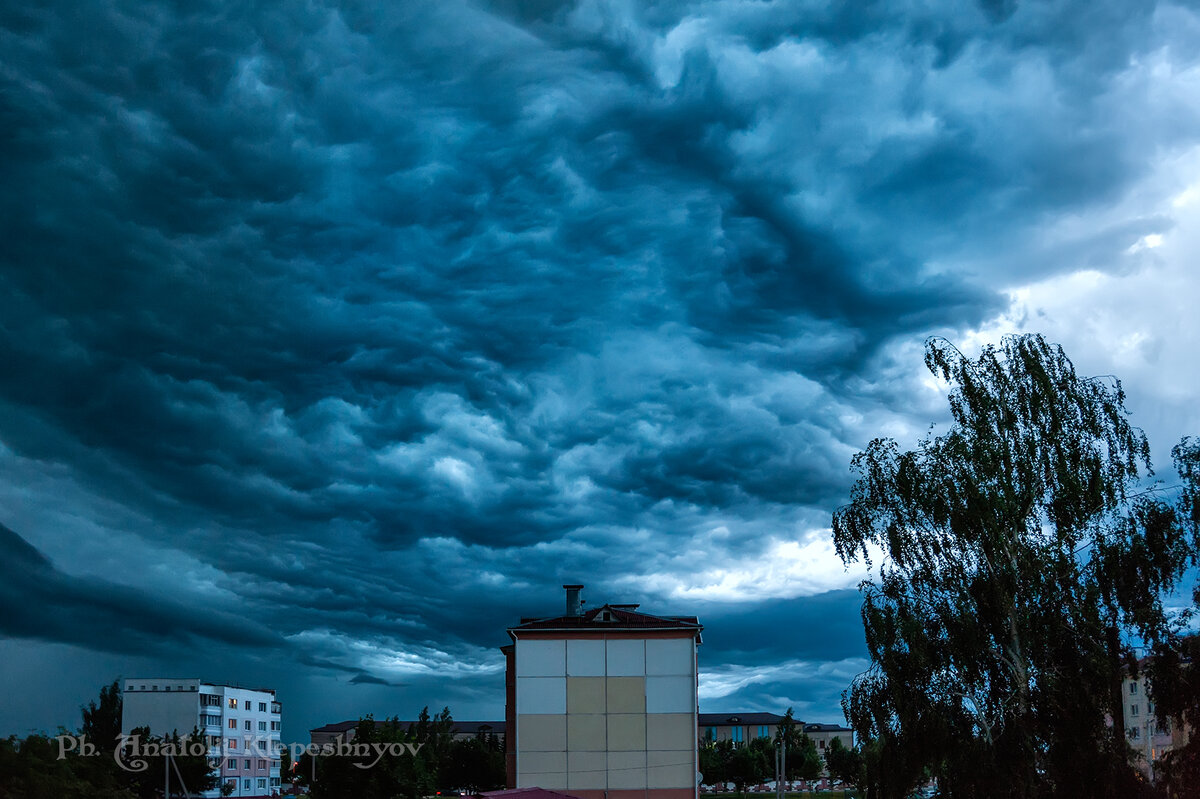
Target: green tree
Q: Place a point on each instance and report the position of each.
(750, 763)
(102, 720)
(714, 761)
(1017, 562)
(196, 770)
(476, 764)
(846, 764)
(31, 769)
(1174, 666)
(379, 777)
(802, 759)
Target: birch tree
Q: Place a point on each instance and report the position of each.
(1022, 556)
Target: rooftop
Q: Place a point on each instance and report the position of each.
(608, 617)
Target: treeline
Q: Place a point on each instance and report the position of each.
(439, 763)
(753, 762)
(54, 767)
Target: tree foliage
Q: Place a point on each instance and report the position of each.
(743, 764)
(439, 763)
(32, 768)
(102, 720)
(196, 771)
(846, 764)
(803, 762)
(1173, 668)
(1017, 562)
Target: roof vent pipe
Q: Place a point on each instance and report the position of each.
(574, 603)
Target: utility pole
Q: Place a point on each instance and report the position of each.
(783, 766)
(780, 768)
(778, 774)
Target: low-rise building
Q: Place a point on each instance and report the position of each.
(460, 730)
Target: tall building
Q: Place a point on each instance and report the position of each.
(240, 725)
(603, 703)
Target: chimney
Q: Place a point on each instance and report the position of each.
(574, 603)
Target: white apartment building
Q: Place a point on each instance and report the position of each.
(1149, 736)
(240, 725)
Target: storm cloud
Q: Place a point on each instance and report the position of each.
(367, 324)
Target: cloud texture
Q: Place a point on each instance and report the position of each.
(368, 324)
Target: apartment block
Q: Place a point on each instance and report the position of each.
(241, 726)
(602, 703)
(1150, 736)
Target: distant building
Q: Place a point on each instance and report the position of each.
(742, 727)
(603, 703)
(240, 725)
(737, 727)
(460, 730)
(823, 735)
(1150, 736)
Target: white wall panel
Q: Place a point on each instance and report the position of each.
(670, 694)
(541, 658)
(626, 658)
(670, 656)
(585, 658)
(541, 695)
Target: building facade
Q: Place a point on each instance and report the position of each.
(241, 726)
(602, 703)
(1150, 736)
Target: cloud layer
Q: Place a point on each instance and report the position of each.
(367, 325)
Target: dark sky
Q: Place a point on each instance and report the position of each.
(335, 337)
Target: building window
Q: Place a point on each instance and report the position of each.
(233, 704)
(1133, 710)
(275, 725)
(247, 724)
(246, 785)
(736, 734)
(262, 765)
(1134, 733)
(262, 725)
(1132, 688)
(210, 700)
(232, 785)
(245, 765)
(262, 782)
(262, 707)
(231, 764)
(247, 704)
(233, 743)
(1149, 708)
(276, 707)
(762, 731)
(1163, 727)
(822, 744)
